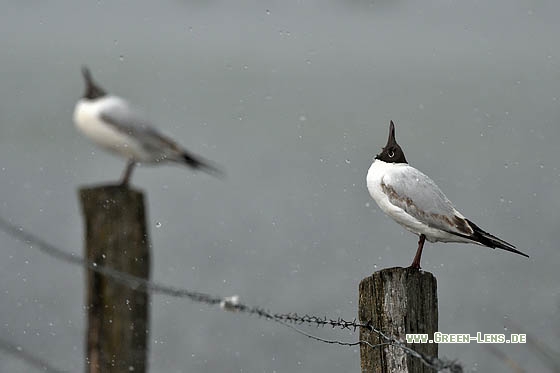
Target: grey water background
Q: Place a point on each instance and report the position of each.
(294, 100)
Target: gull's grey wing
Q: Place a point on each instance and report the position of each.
(421, 198)
(127, 121)
(160, 147)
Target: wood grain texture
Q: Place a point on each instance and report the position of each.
(397, 301)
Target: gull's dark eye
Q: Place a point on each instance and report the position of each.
(391, 153)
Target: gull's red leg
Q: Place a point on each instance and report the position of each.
(127, 173)
(416, 262)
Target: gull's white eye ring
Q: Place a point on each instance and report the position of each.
(391, 154)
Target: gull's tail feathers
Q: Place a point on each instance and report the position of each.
(486, 239)
(197, 163)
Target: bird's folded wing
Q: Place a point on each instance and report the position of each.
(124, 120)
(422, 199)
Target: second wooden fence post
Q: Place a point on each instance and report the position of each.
(116, 237)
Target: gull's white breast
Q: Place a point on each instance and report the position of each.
(87, 118)
(389, 173)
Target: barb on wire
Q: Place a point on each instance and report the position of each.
(228, 303)
(429, 361)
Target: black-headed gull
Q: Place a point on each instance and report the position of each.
(414, 201)
(114, 125)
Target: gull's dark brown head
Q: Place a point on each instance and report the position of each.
(392, 152)
(93, 91)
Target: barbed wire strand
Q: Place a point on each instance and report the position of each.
(227, 303)
(20, 353)
(332, 341)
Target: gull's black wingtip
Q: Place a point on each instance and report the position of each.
(510, 249)
(492, 241)
(198, 163)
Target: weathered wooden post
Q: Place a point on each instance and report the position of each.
(116, 237)
(397, 301)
